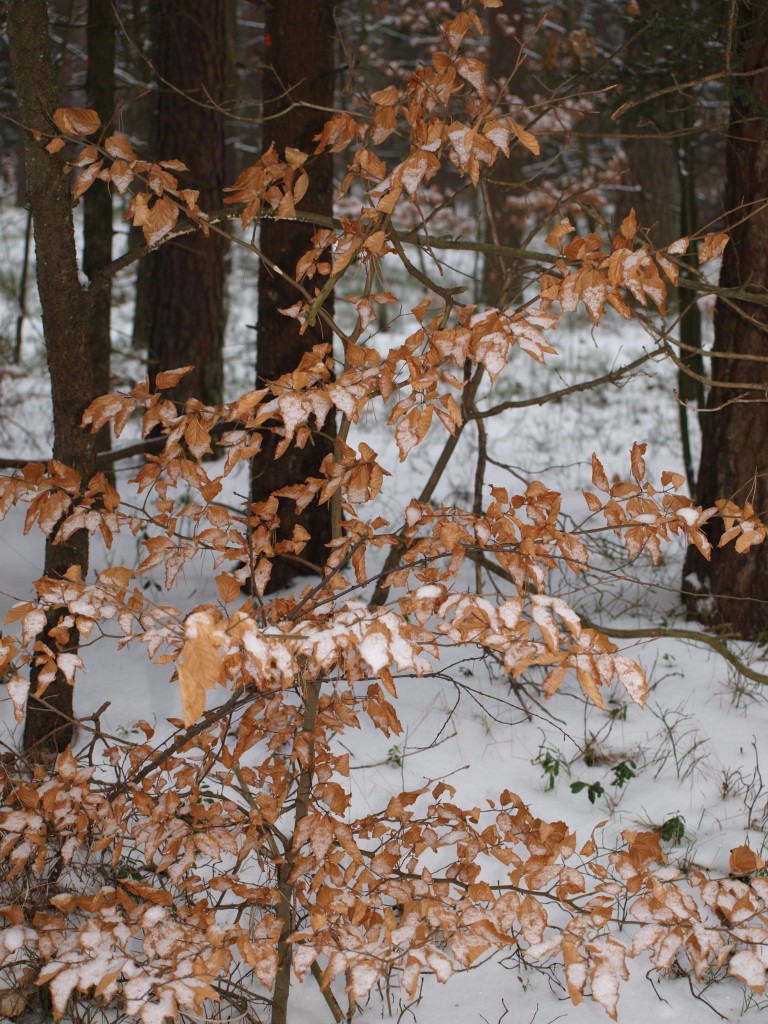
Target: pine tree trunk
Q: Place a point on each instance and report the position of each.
(734, 456)
(294, 73)
(49, 720)
(187, 285)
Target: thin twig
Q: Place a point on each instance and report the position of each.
(381, 593)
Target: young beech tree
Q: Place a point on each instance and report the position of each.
(228, 861)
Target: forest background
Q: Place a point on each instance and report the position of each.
(481, 240)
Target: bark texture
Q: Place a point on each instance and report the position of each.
(49, 720)
(187, 283)
(294, 74)
(502, 281)
(734, 457)
(97, 201)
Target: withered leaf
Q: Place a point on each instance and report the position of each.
(169, 378)
(712, 247)
(527, 138)
(76, 121)
(744, 861)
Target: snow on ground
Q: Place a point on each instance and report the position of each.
(698, 747)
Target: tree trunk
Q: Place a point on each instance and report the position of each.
(653, 176)
(502, 281)
(137, 54)
(734, 456)
(294, 74)
(97, 201)
(187, 284)
(650, 145)
(662, 156)
(49, 720)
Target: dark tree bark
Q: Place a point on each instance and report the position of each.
(294, 73)
(734, 456)
(187, 284)
(48, 726)
(654, 195)
(97, 201)
(137, 55)
(664, 158)
(662, 172)
(502, 281)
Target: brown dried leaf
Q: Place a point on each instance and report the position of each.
(599, 479)
(712, 246)
(337, 133)
(589, 680)
(629, 226)
(86, 178)
(157, 220)
(456, 29)
(638, 462)
(159, 548)
(575, 970)
(679, 247)
(228, 587)
(169, 378)
(675, 480)
(472, 70)
(593, 502)
(18, 611)
(644, 848)
(412, 429)
(200, 666)
(119, 147)
(385, 97)
(558, 233)
(159, 897)
(295, 157)
(88, 155)
(174, 165)
(528, 139)
(607, 968)
(748, 968)
(632, 678)
(108, 407)
(18, 690)
(744, 861)
(76, 121)
(669, 268)
(197, 437)
(300, 187)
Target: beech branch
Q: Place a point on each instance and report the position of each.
(718, 644)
